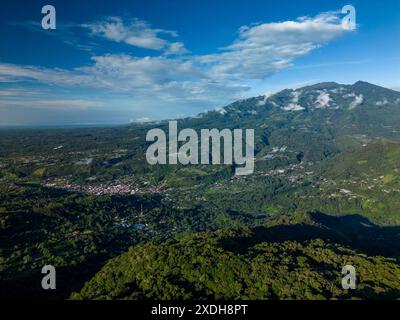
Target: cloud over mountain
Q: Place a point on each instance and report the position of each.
(171, 78)
(264, 49)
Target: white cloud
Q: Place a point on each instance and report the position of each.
(349, 95)
(265, 49)
(221, 110)
(293, 105)
(382, 103)
(66, 104)
(176, 48)
(21, 73)
(157, 79)
(323, 100)
(136, 33)
(170, 79)
(356, 102)
(263, 102)
(141, 120)
(18, 92)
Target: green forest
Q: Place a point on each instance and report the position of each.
(325, 193)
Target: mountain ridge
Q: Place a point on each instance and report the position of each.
(360, 86)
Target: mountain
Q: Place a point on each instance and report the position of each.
(348, 135)
(326, 95)
(325, 191)
(327, 115)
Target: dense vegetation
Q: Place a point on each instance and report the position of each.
(77, 197)
(239, 265)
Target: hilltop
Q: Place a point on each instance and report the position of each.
(260, 263)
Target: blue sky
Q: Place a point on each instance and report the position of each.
(120, 61)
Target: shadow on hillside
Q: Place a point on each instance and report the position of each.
(354, 231)
(69, 279)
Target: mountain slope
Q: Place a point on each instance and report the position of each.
(262, 263)
(66, 199)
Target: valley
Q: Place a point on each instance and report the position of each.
(325, 192)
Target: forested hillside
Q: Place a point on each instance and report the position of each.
(325, 192)
(260, 263)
